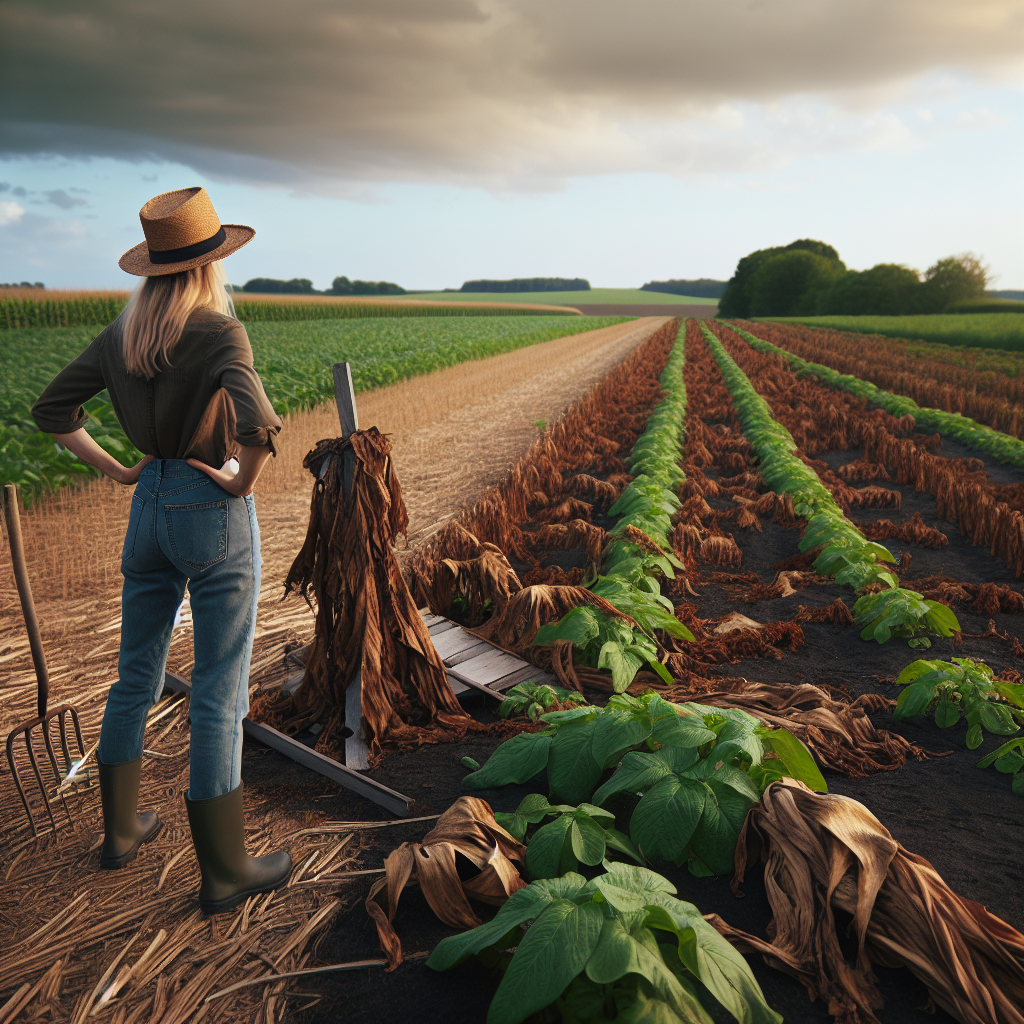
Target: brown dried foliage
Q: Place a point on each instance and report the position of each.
(995, 399)
(366, 619)
(913, 531)
(467, 829)
(824, 852)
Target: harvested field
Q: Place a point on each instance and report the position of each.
(753, 602)
(444, 430)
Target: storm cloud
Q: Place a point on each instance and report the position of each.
(518, 94)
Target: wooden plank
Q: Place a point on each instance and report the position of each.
(490, 666)
(454, 641)
(455, 673)
(387, 798)
(442, 627)
(456, 687)
(480, 647)
(530, 672)
(345, 398)
(357, 753)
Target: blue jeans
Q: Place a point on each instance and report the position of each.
(186, 528)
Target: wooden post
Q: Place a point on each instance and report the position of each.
(357, 752)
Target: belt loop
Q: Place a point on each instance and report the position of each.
(159, 463)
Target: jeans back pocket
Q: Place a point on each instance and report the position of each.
(198, 533)
(138, 507)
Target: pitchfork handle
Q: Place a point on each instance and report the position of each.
(28, 607)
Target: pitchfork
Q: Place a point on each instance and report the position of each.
(46, 722)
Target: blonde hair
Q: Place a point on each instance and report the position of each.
(153, 320)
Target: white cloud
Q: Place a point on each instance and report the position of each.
(10, 213)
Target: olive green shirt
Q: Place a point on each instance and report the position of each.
(209, 400)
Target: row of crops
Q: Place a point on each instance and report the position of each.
(99, 309)
(293, 360)
(973, 330)
(665, 773)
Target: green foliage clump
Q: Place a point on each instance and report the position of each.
(273, 286)
(529, 284)
(886, 289)
(791, 283)
(343, 286)
(533, 699)
(737, 298)
(967, 689)
(696, 769)
(702, 288)
(950, 424)
(620, 945)
(578, 835)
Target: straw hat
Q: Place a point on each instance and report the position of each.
(182, 231)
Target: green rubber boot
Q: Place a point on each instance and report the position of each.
(124, 830)
(230, 875)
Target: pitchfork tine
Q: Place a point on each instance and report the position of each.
(39, 779)
(17, 782)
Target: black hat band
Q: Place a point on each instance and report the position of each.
(188, 252)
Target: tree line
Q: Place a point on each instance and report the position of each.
(529, 284)
(702, 288)
(807, 278)
(303, 286)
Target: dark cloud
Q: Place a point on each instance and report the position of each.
(58, 197)
(523, 91)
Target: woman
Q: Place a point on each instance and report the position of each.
(180, 375)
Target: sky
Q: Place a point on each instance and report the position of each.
(428, 142)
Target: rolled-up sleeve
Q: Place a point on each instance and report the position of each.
(58, 410)
(232, 367)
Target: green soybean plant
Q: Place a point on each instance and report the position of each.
(620, 945)
(578, 835)
(957, 689)
(696, 769)
(533, 699)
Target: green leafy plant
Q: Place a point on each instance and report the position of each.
(902, 613)
(533, 699)
(1009, 759)
(957, 689)
(695, 798)
(578, 835)
(606, 641)
(619, 942)
(696, 769)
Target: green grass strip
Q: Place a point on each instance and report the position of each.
(950, 424)
(976, 330)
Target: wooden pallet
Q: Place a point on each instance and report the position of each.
(474, 665)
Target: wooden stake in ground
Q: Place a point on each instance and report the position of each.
(367, 624)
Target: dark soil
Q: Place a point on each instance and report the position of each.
(963, 819)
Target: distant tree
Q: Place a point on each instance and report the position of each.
(887, 289)
(952, 280)
(529, 284)
(272, 286)
(343, 286)
(736, 299)
(702, 288)
(791, 283)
